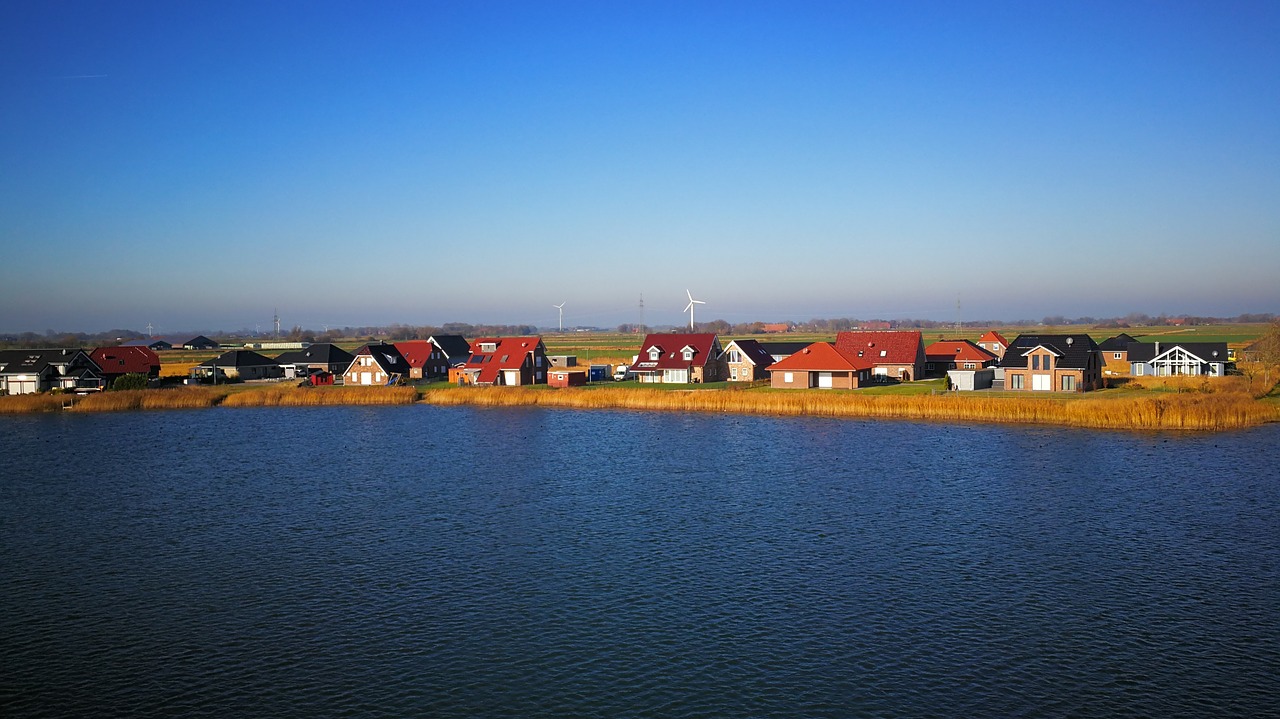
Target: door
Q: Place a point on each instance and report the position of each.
(512, 377)
(1041, 382)
(366, 378)
(824, 380)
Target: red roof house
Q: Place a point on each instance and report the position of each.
(680, 359)
(424, 357)
(994, 342)
(821, 365)
(893, 354)
(946, 355)
(506, 361)
(117, 361)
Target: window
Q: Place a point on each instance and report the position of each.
(735, 356)
(688, 355)
(884, 353)
(1137, 369)
(1015, 381)
(968, 365)
(1035, 362)
(537, 360)
(1116, 355)
(654, 353)
(1068, 383)
(788, 377)
(733, 373)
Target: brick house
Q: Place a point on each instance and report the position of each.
(680, 359)
(821, 365)
(894, 355)
(376, 365)
(506, 361)
(425, 359)
(945, 355)
(994, 342)
(1052, 363)
(747, 361)
(1115, 353)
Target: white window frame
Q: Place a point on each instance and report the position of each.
(788, 377)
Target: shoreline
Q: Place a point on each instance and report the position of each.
(1201, 412)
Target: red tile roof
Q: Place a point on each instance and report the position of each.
(993, 336)
(821, 356)
(508, 353)
(125, 360)
(416, 352)
(957, 351)
(889, 347)
(671, 351)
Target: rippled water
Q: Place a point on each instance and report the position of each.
(453, 562)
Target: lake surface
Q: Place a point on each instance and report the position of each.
(459, 562)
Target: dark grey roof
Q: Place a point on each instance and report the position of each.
(1073, 351)
(453, 346)
(1147, 351)
(37, 361)
(199, 340)
(387, 357)
(783, 348)
(755, 352)
(320, 353)
(239, 358)
(1118, 343)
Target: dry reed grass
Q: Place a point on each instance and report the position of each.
(1253, 386)
(185, 398)
(321, 396)
(25, 403)
(1147, 412)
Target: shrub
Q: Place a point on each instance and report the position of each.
(133, 380)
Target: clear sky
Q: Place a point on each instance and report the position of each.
(201, 164)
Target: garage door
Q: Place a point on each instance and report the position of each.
(1041, 382)
(824, 380)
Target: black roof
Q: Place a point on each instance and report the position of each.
(1118, 343)
(1207, 351)
(755, 351)
(387, 356)
(319, 353)
(783, 348)
(453, 346)
(36, 361)
(238, 358)
(1073, 351)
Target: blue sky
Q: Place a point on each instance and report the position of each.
(199, 165)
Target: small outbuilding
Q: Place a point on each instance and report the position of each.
(566, 378)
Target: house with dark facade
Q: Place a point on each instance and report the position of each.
(505, 361)
(455, 348)
(1173, 359)
(821, 365)
(680, 359)
(316, 358)
(782, 350)
(241, 365)
(1052, 363)
(894, 355)
(425, 360)
(747, 360)
(41, 370)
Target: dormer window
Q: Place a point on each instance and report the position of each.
(688, 354)
(654, 354)
(488, 346)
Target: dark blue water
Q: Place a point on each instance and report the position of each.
(420, 561)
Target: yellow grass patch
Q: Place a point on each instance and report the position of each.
(1172, 411)
(321, 396)
(24, 403)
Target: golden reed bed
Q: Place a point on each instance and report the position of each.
(201, 397)
(1217, 411)
(1184, 410)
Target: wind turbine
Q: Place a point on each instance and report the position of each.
(689, 307)
(561, 308)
